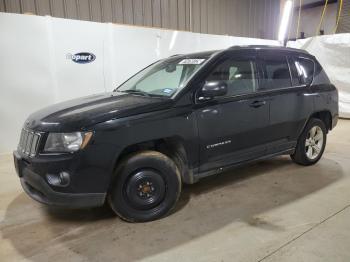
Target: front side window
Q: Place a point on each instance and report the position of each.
(276, 73)
(240, 75)
(163, 78)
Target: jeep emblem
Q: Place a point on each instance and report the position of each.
(81, 58)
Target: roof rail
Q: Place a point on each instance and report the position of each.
(281, 48)
(253, 46)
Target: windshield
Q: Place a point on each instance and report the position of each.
(163, 78)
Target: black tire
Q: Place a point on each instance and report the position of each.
(300, 155)
(147, 186)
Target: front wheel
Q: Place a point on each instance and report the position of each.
(311, 143)
(147, 187)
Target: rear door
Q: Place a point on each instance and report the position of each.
(291, 101)
(233, 128)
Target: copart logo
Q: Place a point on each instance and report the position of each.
(81, 58)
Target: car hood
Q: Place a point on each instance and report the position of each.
(79, 114)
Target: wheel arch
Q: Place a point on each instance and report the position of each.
(173, 147)
(325, 116)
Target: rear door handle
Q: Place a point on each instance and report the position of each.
(257, 104)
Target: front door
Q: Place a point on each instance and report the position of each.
(233, 128)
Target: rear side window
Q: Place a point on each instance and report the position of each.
(305, 70)
(276, 72)
(320, 76)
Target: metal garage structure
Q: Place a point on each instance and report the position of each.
(253, 18)
(344, 22)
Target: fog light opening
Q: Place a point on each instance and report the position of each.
(62, 179)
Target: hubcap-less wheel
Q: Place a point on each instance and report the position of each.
(146, 186)
(145, 189)
(314, 142)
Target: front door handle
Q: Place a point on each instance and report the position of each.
(257, 104)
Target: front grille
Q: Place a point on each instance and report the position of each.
(29, 142)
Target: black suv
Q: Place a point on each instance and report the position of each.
(178, 120)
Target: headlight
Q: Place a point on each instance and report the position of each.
(67, 142)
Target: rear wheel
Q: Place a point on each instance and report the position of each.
(311, 143)
(147, 187)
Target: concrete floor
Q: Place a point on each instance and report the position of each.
(270, 211)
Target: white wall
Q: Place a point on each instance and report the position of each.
(333, 52)
(35, 72)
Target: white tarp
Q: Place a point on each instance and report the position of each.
(35, 71)
(333, 52)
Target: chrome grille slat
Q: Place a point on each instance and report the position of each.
(34, 145)
(25, 138)
(21, 140)
(29, 142)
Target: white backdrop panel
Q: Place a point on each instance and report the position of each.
(69, 37)
(24, 73)
(333, 52)
(35, 71)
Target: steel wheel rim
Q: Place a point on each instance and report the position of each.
(314, 142)
(145, 189)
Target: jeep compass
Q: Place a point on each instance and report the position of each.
(178, 120)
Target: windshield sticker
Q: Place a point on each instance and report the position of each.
(167, 90)
(191, 61)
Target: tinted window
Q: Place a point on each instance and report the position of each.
(239, 74)
(276, 73)
(305, 70)
(294, 72)
(320, 76)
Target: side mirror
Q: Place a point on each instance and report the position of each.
(213, 89)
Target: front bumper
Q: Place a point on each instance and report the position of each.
(335, 120)
(37, 188)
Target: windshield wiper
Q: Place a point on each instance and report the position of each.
(140, 92)
(136, 91)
